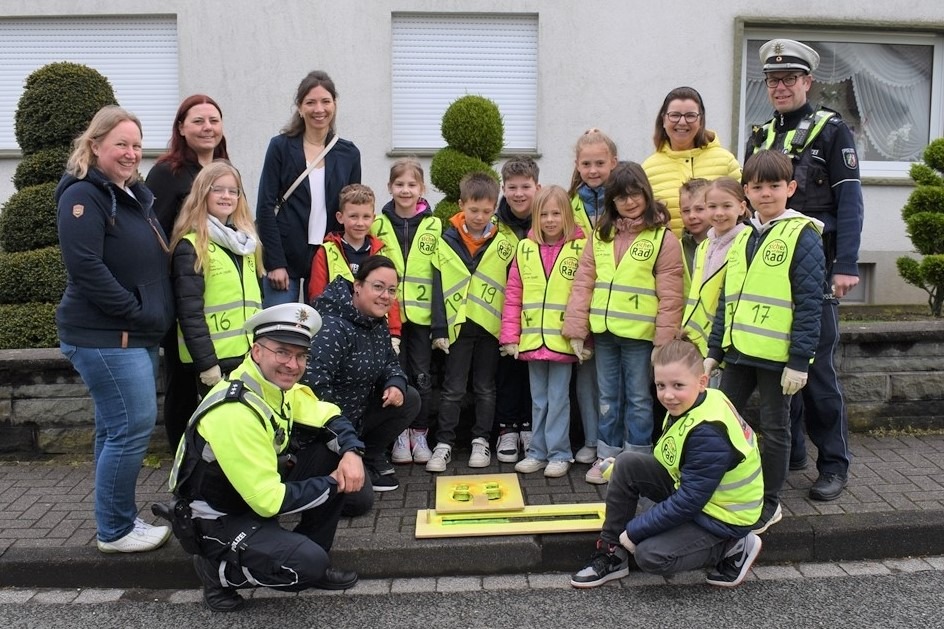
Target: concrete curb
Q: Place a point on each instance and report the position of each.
(795, 539)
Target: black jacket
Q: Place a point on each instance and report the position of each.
(284, 237)
(170, 191)
(118, 291)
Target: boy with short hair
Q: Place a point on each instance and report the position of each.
(469, 275)
(767, 324)
(343, 252)
(513, 384)
(694, 220)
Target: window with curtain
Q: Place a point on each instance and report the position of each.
(437, 58)
(137, 54)
(886, 88)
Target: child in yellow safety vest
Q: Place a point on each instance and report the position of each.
(628, 292)
(214, 270)
(410, 233)
(694, 222)
(469, 277)
(767, 323)
(538, 289)
(704, 476)
(595, 157)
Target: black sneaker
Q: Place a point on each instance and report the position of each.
(768, 518)
(216, 597)
(609, 562)
(383, 481)
(827, 487)
(734, 566)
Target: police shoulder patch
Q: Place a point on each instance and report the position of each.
(849, 158)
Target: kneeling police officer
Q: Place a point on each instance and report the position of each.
(259, 446)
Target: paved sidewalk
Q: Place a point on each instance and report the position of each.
(893, 507)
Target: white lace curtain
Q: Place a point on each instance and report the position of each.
(891, 86)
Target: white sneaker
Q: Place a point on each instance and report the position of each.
(401, 448)
(556, 469)
(421, 452)
(442, 454)
(595, 474)
(586, 455)
(480, 457)
(528, 465)
(142, 538)
(525, 440)
(507, 447)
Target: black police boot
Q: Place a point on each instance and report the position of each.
(827, 487)
(216, 597)
(334, 579)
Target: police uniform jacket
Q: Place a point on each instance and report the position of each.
(807, 269)
(352, 358)
(284, 237)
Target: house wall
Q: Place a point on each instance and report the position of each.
(609, 69)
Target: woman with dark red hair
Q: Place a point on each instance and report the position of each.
(196, 140)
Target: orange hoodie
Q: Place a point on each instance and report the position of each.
(472, 243)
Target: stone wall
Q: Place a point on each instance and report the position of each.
(892, 374)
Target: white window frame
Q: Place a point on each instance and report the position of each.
(871, 169)
(137, 54)
(439, 57)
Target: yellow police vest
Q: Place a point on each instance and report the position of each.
(228, 300)
(416, 272)
(624, 297)
(702, 302)
(795, 141)
(758, 317)
(739, 497)
(580, 214)
(544, 298)
(477, 296)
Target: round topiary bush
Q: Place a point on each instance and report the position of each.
(28, 325)
(448, 166)
(473, 125)
(28, 219)
(32, 276)
(41, 167)
(445, 210)
(57, 104)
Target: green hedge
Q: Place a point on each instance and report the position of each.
(32, 276)
(444, 210)
(28, 325)
(473, 125)
(28, 219)
(57, 105)
(449, 166)
(41, 167)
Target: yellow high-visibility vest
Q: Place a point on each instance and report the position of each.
(544, 298)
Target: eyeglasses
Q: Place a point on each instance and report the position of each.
(690, 116)
(788, 81)
(283, 356)
(379, 287)
(630, 194)
(221, 190)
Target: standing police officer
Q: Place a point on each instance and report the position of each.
(260, 446)
(826, 169)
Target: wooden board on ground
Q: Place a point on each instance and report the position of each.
(473, 493)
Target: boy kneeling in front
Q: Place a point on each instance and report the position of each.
(704, 476)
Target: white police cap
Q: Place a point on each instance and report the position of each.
(778, 55)
(293, 323)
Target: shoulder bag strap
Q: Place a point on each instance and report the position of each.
(301, 177)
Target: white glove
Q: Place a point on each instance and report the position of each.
(509, 349)
(585, 354)
(577, 346)
(211, 376)
(442, 344)
(395, 341)
(627, 543)
(711, 366)
(792, 380)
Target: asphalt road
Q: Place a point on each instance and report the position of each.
(902, 600)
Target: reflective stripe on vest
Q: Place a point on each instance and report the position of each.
(544, 298)
(702, 302)
(416, 272)
(758, 317)
(739, 497)
(478, 296)
(229, 298)
(795, 141)
(624, 297)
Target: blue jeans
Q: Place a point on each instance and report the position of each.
(588, 396)
(550, 411)
(121, 383)
(271, 296)
(625, 399)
